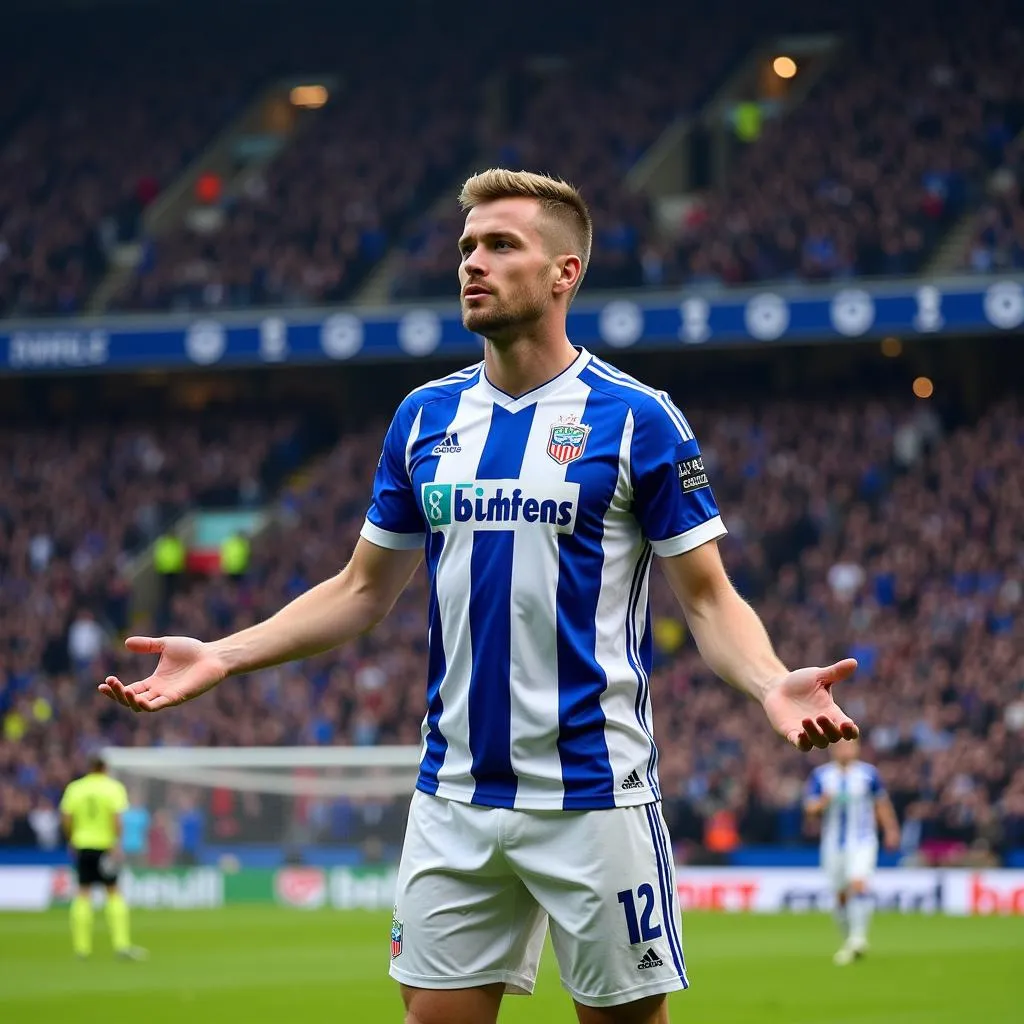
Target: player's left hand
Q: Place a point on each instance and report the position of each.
(801, 709)
(891, 841)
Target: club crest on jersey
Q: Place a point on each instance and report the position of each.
(396, 936)
(567, 440)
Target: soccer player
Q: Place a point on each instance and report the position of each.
(539, 484)
(91, 811)
(849, 796)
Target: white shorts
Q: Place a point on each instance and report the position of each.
(479, 886)
(855, 863)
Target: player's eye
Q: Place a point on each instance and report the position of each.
(501, 243)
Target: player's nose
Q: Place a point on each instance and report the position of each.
(475, 265)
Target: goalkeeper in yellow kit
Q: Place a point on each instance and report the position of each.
(91, 810)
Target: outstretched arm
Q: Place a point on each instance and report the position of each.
(331, 613)
(886, 815)
(816, 805)
(733, 642)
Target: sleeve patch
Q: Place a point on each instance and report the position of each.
(691, 474)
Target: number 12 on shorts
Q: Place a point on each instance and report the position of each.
(640, 929)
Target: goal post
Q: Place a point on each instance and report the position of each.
(264, 806)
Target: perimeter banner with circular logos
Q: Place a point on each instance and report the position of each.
(698, 317)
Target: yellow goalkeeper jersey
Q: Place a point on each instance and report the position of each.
(94, 803)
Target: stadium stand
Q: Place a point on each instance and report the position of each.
(141, 93)
(86, 150)
(588, 116)
(882, 531)
(997, 233)
(80, 502)
(333, 203)
(307, 230)
(864, 178)
(866, 175)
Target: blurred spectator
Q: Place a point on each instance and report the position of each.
(135, 826)
(45, 821)
(190, 830)
(162, 840)
(86, 641)
(15, 825)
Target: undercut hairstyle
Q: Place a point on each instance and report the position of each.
(560, 201)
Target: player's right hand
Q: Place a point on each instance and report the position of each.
(186, 669)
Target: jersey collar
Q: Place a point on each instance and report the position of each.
(542, 391)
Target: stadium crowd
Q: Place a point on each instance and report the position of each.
(309, 227)
(868, 528)
(867, 174)
(83, 152)
(997, 236)
(78, 504)
(863, 177)
(328, 208)
(138, 96)
(588, 116)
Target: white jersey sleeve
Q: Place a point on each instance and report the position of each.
(673, 500)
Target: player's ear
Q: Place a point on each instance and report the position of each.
(569, 269)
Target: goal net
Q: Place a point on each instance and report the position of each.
(264, 807)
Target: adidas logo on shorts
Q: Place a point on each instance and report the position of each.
(650, 959)
(632, 781)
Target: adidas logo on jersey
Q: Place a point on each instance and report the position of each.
(449, 446)
(633, 781)
(650, 959)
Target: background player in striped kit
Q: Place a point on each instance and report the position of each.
(538, 484)
(848, 795)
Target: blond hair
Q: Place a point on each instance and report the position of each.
(558, 199)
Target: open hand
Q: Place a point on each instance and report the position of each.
(801, 709)
(186, 669)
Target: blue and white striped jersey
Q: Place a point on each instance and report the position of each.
(539, 516)
(849, 819)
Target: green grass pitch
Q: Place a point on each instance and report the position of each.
(266, 965)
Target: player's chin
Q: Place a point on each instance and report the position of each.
(482, 321)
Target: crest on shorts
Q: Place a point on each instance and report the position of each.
(396, 935)
(567, 439)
